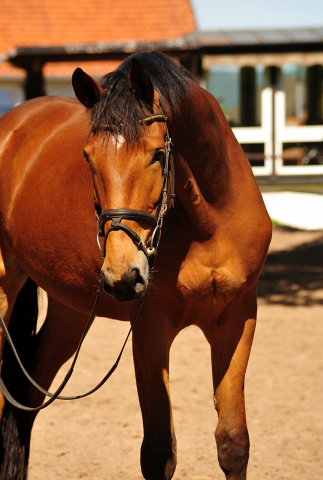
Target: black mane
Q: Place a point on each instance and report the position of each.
(121, 110)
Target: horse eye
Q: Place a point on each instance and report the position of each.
(158, 157)
(86, 157)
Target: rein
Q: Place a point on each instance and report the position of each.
(56, 394)
(116, 215)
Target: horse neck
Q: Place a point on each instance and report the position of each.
(212, 171)
(197, 136)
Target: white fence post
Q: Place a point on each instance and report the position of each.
(262, 134)
(293, 134)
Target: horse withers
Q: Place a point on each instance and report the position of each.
(59, 153)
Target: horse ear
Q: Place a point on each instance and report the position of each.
(86, 89)
(141, 83)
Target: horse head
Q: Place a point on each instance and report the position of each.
(126, 154)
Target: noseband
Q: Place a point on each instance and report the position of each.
(156, 220)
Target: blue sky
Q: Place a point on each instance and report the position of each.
(242, 14)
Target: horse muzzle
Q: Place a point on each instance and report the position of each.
(128, 286)
(125, 276)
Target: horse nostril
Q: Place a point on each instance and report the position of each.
(135, 277)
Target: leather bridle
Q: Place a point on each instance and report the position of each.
(166, 199)
(116, 215)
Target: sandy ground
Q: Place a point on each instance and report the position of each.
(99, 437)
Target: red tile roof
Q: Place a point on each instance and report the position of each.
(36, 23)
(61, 22)
(9, 71)
(65, 69)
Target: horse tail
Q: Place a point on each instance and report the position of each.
(16, 424)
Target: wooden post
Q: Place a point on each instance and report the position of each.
(248, 96)
(314, 79)
(273, 80)
(34, 84)
(193, 63)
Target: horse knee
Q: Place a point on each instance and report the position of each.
(233, 452)
(158, 458)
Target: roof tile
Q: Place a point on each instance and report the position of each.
(60, 22)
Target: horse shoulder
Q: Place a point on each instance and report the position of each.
(217, 271)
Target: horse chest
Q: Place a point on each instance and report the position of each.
(208, 283)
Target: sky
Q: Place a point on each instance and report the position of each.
(254, 14)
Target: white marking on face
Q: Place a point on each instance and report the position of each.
(118, 141)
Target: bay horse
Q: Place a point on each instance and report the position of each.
(57, 153)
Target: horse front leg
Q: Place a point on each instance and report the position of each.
(152, 338)
(231, 342)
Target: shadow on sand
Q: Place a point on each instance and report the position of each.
(294, 277)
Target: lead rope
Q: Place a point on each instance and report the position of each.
(56, 394)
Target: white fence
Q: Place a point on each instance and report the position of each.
(273, 133)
